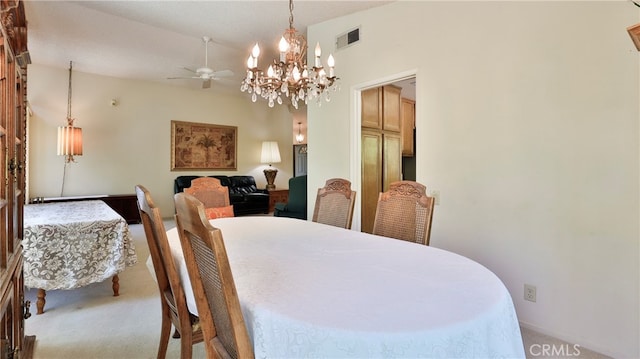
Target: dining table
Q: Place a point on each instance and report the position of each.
(72, 244)
(317, 291)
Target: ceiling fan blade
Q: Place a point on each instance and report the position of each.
(223, 73)
(184, 78)
(190, 70)
(206, 84)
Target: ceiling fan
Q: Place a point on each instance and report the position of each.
(205, 73)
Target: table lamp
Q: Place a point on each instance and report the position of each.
(270, 155)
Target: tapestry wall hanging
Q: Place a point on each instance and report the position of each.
(203, 146)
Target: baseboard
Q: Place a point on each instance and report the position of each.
(570, 340)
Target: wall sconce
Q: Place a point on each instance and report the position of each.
(69, 137)
(299, 136)
(270, 154)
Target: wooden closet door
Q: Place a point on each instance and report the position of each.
(381, 147)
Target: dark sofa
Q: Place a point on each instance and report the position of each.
(244, 195)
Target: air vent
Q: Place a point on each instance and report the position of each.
(348, 38)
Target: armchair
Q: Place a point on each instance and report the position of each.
(296, 207)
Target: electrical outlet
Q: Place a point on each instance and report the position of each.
(530, 292)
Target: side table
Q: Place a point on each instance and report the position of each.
(277, 196)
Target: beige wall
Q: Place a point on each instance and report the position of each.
(527, 124)
(527, 117)
(129, 144)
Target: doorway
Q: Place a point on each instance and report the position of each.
(299, 160)
(386, 125)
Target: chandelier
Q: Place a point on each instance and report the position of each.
(289, 76)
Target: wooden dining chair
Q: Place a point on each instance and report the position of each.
(213, 195)
(225, 333)
(404, 212)
(172, 297)
(334, 203)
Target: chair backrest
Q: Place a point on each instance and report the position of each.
(221, 318)
(297, 201)
(334, 203)
(167, 276)
(404, 212)
(209, 191)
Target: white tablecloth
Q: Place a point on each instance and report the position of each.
(312, 290)
(68, 245)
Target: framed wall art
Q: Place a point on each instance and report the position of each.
(203, 146)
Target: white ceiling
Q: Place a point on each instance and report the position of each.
(153, 40)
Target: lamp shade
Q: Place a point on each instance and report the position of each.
(270, 152)
(69, 141)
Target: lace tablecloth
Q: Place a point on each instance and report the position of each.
(68, 245)
(316, 291)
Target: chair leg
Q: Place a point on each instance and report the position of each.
(186, 344)
(165, 331)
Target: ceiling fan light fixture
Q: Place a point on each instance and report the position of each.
(289, 76)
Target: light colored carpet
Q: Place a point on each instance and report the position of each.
(90, 323)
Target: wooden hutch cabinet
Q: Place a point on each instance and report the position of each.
(14, 58)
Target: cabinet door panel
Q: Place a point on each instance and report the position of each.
(372, 108)
(391, 120)
(408, 124)
(392, 160)
(371, 179)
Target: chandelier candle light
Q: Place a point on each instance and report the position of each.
(289, 76)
